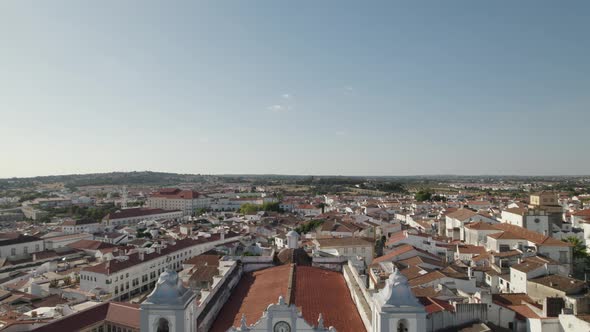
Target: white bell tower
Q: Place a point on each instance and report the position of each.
(170, 306)
(292, 240)
(396, 309)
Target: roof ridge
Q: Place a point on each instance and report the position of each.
(291, 287)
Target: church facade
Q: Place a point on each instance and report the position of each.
(171, 306)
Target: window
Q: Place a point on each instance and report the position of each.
(26, 250)
(13, 251)
(37, 247)
(563, 256)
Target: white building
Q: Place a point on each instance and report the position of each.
(80, 226)
(186, 201)
(135, 215)
(136, 272)
(347, 247)
(534, 220)
(20, 245)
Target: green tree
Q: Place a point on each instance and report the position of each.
(423, 195)
(200, 212)
(321, 206)
(309, 226)
(379, 245)
(438, 198)
(249, 208)
(579, 249)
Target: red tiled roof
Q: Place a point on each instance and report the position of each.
(396, 237)
(462, 214)
(136, 212)
(532, 236)
(255, 291)
(394, 253)
(175, 193)
(124, 314)
(426, 278)
(316, 291)
(471, 249)
(435, 305)
(480, 225)
(523, 311)
(322, 291)
(582, 213)
(79, 222)
(113, 266)
(519, 211)
(90, 245)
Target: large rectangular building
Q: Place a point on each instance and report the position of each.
(134, 215)
(177, 199)
(137, 272)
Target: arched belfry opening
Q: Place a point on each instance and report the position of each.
(402, 325)
(163, 325)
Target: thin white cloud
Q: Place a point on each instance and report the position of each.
(278, 108)
(340, 133)
(286, 96)
(349, 88)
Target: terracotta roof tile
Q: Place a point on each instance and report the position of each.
(120, 313)
(255, 291)
(316, 291)
(322, 291)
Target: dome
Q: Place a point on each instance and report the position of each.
(292, 234)
(397, 292)
(169, 290)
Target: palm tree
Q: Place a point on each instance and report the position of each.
(321, 206)
(579, 249)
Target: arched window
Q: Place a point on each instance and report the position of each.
(163, 325)
(402, 325)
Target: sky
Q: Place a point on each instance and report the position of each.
(295, 87)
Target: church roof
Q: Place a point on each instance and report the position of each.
(313, 291)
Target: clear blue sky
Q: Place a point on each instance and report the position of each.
(299, 87)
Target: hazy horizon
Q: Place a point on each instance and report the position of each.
(305, 88)
(303, 175)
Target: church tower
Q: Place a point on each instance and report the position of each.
(170, 307)
(292, 240)
(396, 309)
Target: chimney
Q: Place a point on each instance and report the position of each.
(141, 255)
(469, 272)
(34, 257)
(159, 250)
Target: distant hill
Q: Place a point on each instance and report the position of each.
(114, 178)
